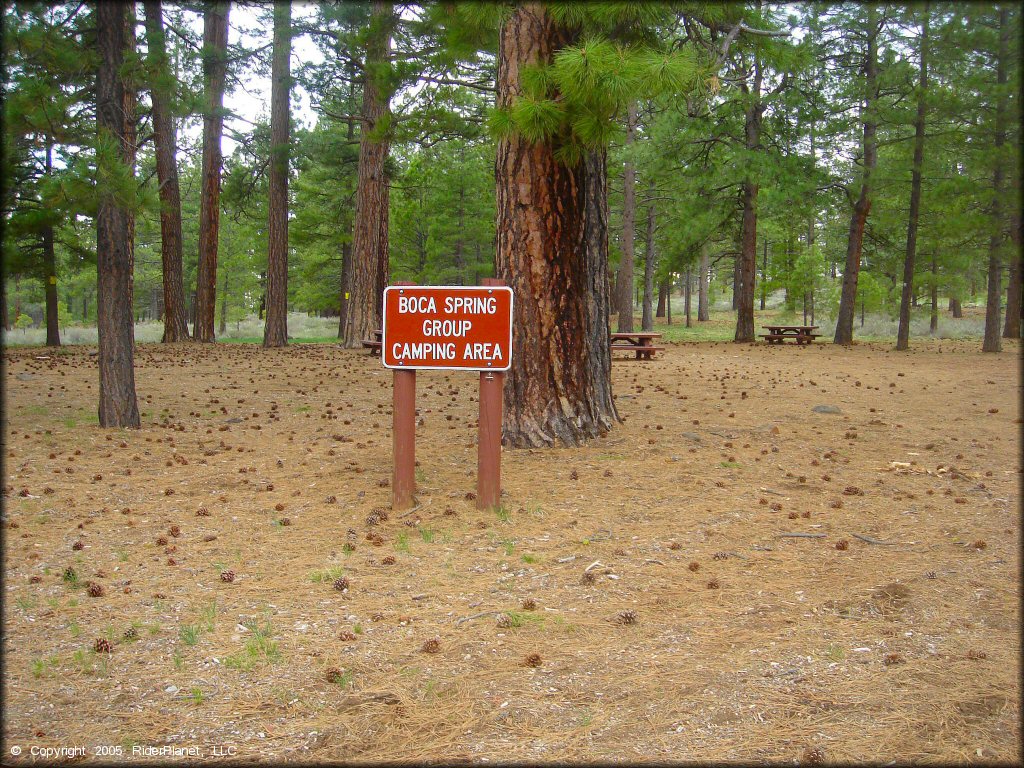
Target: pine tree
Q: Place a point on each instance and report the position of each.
(215, 43)
(118, 406)
(161, 88)
(275, 333)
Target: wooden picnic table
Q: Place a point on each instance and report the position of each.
(802, 334)
(641, 342)
(374, 344)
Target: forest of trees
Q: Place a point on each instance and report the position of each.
(854, 157)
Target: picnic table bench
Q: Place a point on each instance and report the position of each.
(374, 344)
(802, 334)
(642, 343)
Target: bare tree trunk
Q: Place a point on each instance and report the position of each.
(955, 307)
(855, 241)
(222, 327)
(50, 267)
(764, 274)
(992, 342)
(704, 279)
(175, 327)
(1012, 326)
(903, 334)
(933, 325)
(131, 138)
(747, 260)
(626, 266)
(215, 45)
(275, 330)
(662, 294)
(650, 265)
(118, 406)
(368, 273)
(552, 250)
(686, 297)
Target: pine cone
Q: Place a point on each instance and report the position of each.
(533, 660)
(102, 645)
(503, 620)
(94, 589)
(529, 604)
(347, 636)
(626, 617)
(341, 583)
(388, 560)
(334, 675)
(227, 576)
(433, 645)
(131, 634)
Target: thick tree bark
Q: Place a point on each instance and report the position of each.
(903, 333)
(215, 45)
(118, 406)
(131, 139)
(1012, 326)
(704, 279)
(50, 268)
(552, 241)
(992, 342)
(175, 327)
(855, 239)
(650, 266)
(624, 304)
(275, 331)
(368, 272)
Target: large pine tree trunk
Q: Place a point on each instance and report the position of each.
(131, 138)
(1012, 326)
(175, 327)
(215, 46)
(703, 280)
(650, 265)
(855, 239)
(552, 250)
(747, 259)
(118, 406)
(275, 331)
(369, 270)
(50, 268)
(624, 304)
(992, 342)
(903, 333)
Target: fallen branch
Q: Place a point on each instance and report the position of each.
(871, 540)
(652, 561)
(803, 535)
(477, 616)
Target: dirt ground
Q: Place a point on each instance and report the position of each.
(673, 618)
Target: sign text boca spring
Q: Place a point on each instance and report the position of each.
(447, 327)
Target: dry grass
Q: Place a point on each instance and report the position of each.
(786, 656)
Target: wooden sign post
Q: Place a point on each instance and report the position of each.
(447, 328)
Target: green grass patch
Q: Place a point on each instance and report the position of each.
(326, 574)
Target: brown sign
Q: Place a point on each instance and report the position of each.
(447, 328)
